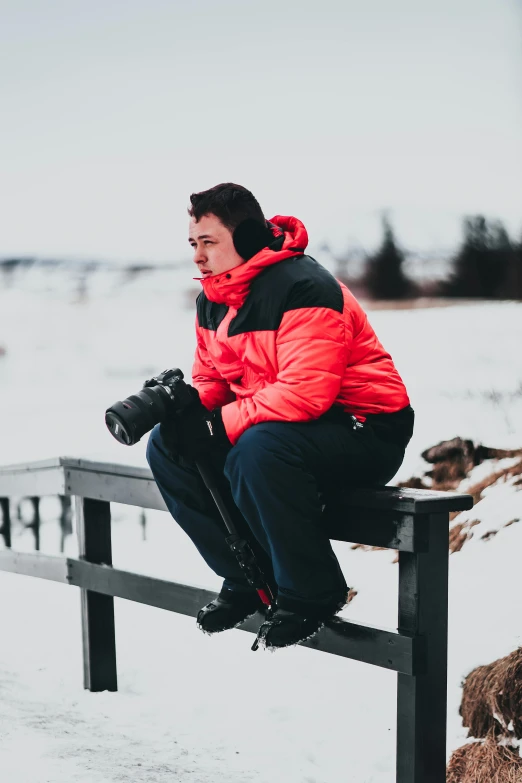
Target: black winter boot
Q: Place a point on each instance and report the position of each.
(283, 627)
(228, 610)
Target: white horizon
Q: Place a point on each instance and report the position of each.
(112, 116)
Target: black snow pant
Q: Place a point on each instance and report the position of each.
(276, 481)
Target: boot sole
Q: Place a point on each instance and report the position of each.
(273, 647)
(228, 627)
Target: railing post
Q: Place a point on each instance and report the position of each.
(422, 699)
(5, 529)
(35, 524)
(65, 520)
(93, 525)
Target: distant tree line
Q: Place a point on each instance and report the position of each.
(488, 264)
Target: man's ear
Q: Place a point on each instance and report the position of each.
(251, 236)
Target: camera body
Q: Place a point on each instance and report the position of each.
(167, 379)
(163, 395)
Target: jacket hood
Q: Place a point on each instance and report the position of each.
(231, 288)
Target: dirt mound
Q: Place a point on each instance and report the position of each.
(453, 460)
(484, 762)
(491, 708)
(492, 698)
(450, 467)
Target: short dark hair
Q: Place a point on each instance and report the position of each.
(230, 203)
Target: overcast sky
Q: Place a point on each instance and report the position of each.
(112, 113)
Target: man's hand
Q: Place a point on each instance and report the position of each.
(195, 430)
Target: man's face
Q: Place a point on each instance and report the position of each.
(214, 250)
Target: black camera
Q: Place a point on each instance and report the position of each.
(129, 419)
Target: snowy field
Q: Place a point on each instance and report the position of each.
(191, 707)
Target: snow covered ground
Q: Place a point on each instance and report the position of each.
(192, 707)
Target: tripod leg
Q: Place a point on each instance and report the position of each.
(208, 476)
(240, 547)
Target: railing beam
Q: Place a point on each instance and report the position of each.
(415, 522)
(377, 646)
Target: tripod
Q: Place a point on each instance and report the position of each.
(240, 547)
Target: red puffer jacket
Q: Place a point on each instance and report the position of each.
(280, 339)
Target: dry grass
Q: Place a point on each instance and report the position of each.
(452, 461)
(461, 533)
(504, 474)
(484, 762)
(492, 698)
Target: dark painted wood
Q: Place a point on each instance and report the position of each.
(172, 596)
(415, 522)
(421, 699)
(85, 478)
(381, 647)
(5, 529)
(93, 520)
(409, 501)
(136, 486)
(34, 564)
(65, 520)
(378, 646)
(35, 524)
(390, 529)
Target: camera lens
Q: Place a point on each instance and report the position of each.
(117, 428)
(129, 419)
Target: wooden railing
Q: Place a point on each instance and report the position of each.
(415, 522)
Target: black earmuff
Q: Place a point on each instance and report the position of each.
(251, 236)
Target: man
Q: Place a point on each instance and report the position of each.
(294, 398)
